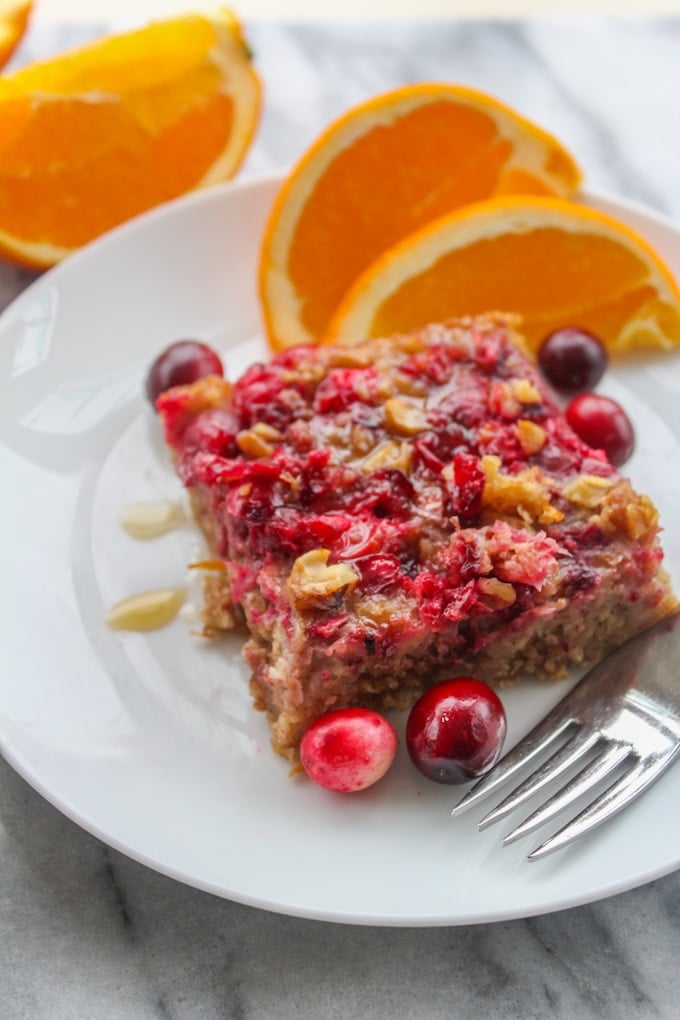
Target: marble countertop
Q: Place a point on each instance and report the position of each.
(86, 933)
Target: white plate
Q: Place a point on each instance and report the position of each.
(149, 741)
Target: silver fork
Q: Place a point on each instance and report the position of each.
(624, 715)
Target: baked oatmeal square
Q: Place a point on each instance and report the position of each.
(390, 514)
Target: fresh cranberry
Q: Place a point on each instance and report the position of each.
(573, 360)
(603, 425)
(455, 730)
(183, 362)
(348, 749)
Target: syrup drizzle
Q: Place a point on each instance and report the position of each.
(149, 610)
(145, 521)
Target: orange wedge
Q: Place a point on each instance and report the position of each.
(95, 136)
(14, 15)
(551, 261)
(381, 171)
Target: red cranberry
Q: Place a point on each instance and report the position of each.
(213, 430)
(573, 360)
(455, 731)
(183, 362)
(263, 394)
(468, 486)
(603, 425)
(343, 387)
(348, 749)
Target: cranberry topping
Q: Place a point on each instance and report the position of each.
(436, 363)
(343, 387)
(293, 532)
(263, 394)
(468, 485)
(380, 572)
(388, 493)
(467, 405)
(213, 431)
(410, 530)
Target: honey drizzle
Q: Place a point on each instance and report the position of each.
(149, 610)
(145, 521)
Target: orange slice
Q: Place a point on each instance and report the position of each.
(551, 261)
(95, 136)
(381, 171)
(14, 15)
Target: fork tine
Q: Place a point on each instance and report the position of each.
(616, 797)
(562, 759)
(536, 741)
(597, 769)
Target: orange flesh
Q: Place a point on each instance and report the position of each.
(363, 212)
(135, 170)
(102, 133)
(525, 273)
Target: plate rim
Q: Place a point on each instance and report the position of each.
(37, 781)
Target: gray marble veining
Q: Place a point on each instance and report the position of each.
(86, 933)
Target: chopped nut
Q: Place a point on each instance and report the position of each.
(267, 431)
(409, 385)
(501, 590)
(389, 454)
(253, 445)
(525, 391)
(404, 417)
(312, 580)
(531, 436)
(384, 387)
(623, 509)
(307, 370)
(640, 518)
(588, 490)
(362, 440)
(409, 343)
(502, 401)
(348, 357)
(550, 515)
(520, 494)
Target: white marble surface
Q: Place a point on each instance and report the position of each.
(86, 933)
